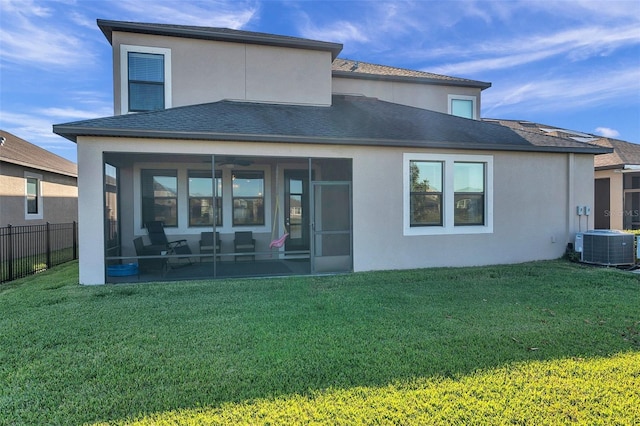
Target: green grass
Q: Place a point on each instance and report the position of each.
(538, 343)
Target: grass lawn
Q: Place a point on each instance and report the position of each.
(538, 343)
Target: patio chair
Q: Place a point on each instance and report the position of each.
(244, 243)
(151, 250)
(158, 238)
(206, 243)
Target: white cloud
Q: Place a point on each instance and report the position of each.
(574, 45)
(26, 7)
(28, 36)
(607, 132)
(339, 32)
(36, 126)
(215, 13)
(73, 113)
(560, 94)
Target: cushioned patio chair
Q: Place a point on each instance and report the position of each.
(244, 243)
(145, 265)
(158, 239)
(206, 243)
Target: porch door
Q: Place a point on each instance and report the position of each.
(602, 204)
(332, 227)
(296, 209)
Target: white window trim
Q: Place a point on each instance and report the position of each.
(473, 100)
(183, 227)
(124, 73)
(27, 215)
(447, 227)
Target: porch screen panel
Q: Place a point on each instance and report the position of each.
(160, 196)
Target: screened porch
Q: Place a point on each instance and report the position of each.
(180, 217)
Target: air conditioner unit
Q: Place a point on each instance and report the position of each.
(605, 247)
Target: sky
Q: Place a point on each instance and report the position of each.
(570, 64)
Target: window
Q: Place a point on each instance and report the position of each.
(448, 194)
(146, 78)
(201, 206)
(160, 196)
(248, 198)
(33, 196)
(426, 193)
(146, 81)
(468, 193)
(462, 106)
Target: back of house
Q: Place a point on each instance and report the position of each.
(355, 166)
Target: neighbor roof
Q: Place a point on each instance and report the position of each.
(18, 151)
(215, 33)
(623, 153)
(357, 69)
(350, 120)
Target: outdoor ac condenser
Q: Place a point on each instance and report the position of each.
(605, 247)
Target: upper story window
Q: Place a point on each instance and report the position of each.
(462, 106)
(448, 194)
(146, 81)
(33, 196)
(145, 78)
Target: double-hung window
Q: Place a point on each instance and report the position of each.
(160, 196)
(146, 78)
(468, 193)
(33, 196)
(248, 197)
(448, 194)
(426, 193)
(202, 209)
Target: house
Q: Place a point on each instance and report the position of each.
(365, 167)
(36, 186)
(617, 175)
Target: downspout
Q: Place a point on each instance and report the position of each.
(570, 197)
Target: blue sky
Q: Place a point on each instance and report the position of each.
(571, 64)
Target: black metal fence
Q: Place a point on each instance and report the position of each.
(27, 250)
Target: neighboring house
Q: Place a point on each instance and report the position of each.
(366, 166)
(617, 175)
(36, 186)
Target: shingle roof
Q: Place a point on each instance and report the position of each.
(216, 33)
(624, 153)
(350, 120)
(18, 151)
(358, 69)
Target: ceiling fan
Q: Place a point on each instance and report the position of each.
(227, 161)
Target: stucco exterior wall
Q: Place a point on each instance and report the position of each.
(616, 197)
(431, 97)
(59, 196)
(534, 195)
(534, 217)
(208, 71)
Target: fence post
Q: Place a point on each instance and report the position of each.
(10, 252)
(48, 246)
(75, 240)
